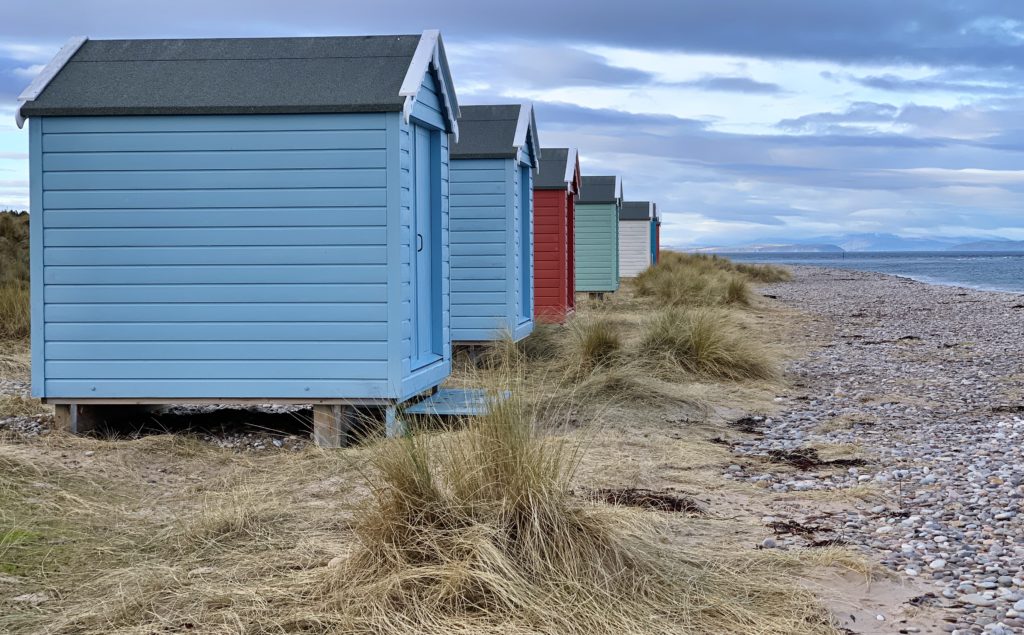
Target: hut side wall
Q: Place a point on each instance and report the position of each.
(482, 239)
(551, 255)
(597, 247)
(235, 256)
(634, 247)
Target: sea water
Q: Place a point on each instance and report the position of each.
(991, 271)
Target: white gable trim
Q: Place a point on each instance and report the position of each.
(570, 168)
(429, 54)
(618, 188)
(43, 79)
(526, 130)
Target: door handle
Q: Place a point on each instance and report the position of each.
(419, 242)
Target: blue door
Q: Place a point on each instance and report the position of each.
(425, 296)
(525, 246)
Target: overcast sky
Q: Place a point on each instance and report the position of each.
(745, 120)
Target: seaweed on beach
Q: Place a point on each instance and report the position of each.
(649, 499)
(807, 458)
(1008, 409)
(748, 424)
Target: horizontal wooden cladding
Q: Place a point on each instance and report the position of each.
(300, 292)
(492, 284)
(463, 201)
(428, 106)
(216, 331)
(215, 179)
(218, 389)
(493, 226)
(634, 247)
(218, 123)
(478, 297)
(216, 312)
(470, 170)
(302, 197)
(250, 255)
(477, 248)
(215, 236)
(214, 160)
(238, 350)
(204, 274)
(218, 217)
(472, 262)
(489, 325)
(478, 273)
(178, 141)
(478, 309)
(463, 189)
(208, 369)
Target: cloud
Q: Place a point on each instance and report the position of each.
(28, 72)
(983, 33)
(857, 112)
(898, 84)
(732, 85)
(13, 80)
(534, 66)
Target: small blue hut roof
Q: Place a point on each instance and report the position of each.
(496, 132)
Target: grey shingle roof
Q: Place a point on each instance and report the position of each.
(492, 132)
(600, 189)
(636, 210)
(230, 76)
(554, 167)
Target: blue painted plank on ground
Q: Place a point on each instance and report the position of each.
(456, 401)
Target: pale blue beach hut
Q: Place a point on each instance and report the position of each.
(241, 220)
(492, 172)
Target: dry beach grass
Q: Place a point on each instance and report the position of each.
(474, 527)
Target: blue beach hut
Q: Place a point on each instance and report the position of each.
(655, 235)
(241, 220)
(492, 170)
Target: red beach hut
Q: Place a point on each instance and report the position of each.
(554, 198)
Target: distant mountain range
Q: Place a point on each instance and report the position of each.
(990, 245)
(871, 242)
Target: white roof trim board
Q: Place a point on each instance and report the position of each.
(47, 74)
(428, 55)
(527, 125)
(618, 188)
(570, 168)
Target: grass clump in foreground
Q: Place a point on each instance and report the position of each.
(708, 342)
(477, 531)
(702, 280)
(593, 343)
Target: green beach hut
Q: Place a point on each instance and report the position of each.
(597, 234)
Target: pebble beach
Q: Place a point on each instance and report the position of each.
(924, 385)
